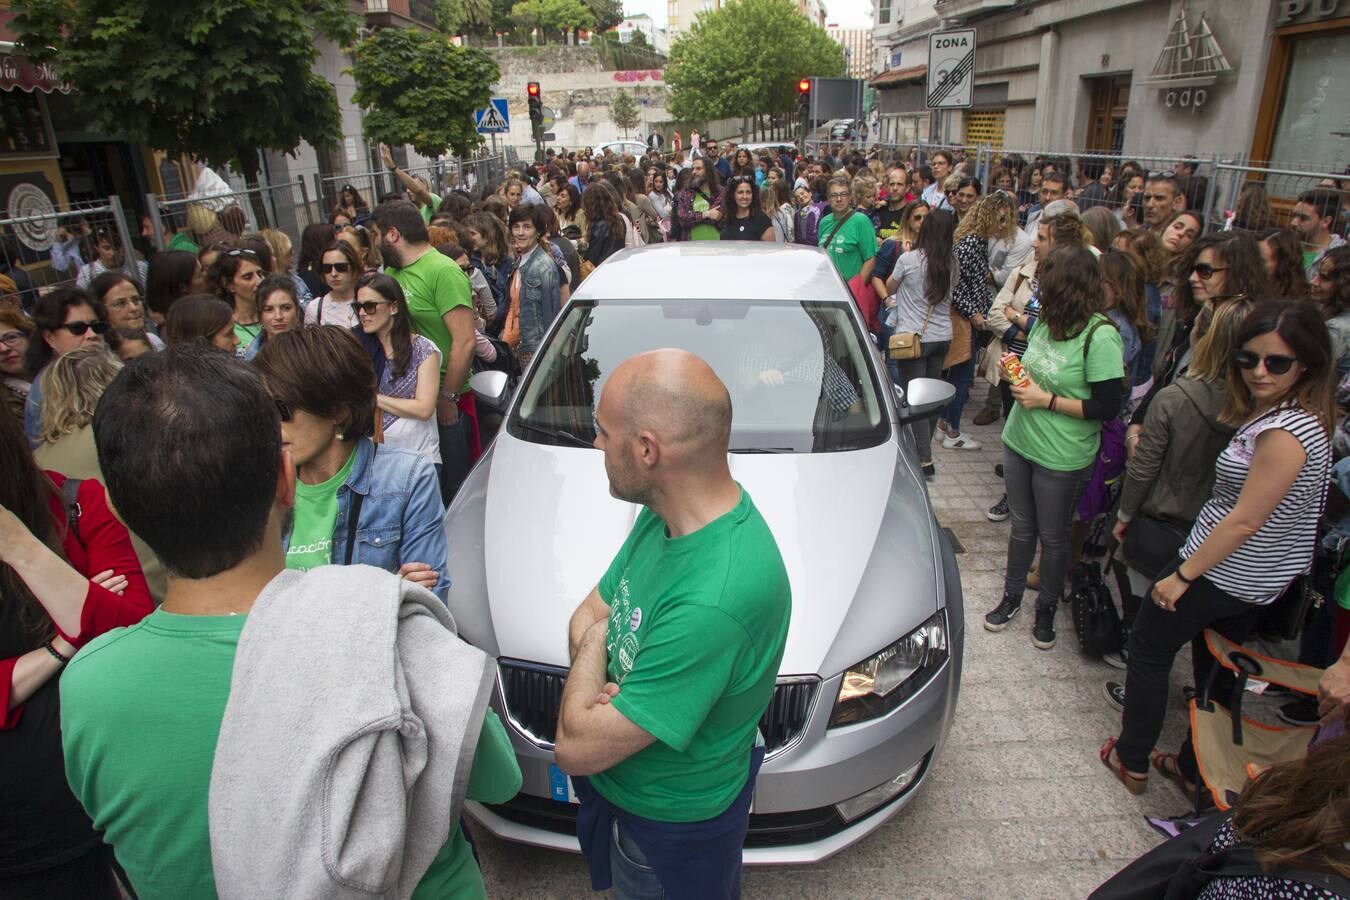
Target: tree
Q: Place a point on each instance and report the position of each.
(215, 80)
(745, 59)
(623, 111)
(420, 89)
(559, 15)
(463, 16)
(607, 13)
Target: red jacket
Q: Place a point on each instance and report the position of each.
(102, 543)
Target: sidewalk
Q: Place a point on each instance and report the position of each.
(1017, 806)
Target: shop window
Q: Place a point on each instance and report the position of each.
(1310, 132)
(984, 126)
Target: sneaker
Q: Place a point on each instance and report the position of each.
(929, 471)
(1115, 692)
(1300, 712)
(986, 416)
(1118, 660)
(961, 441)
(1043, 632)
(999, 512)
(998, 618)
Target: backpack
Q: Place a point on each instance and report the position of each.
(69, 491)
(1109, 464)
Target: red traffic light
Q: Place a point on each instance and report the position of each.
(532, 89)
(804, 86)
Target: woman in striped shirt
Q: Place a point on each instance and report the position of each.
(1254, 536)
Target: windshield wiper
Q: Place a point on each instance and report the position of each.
(558, 434)
(761, 450)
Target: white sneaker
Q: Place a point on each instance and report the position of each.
(961, 441)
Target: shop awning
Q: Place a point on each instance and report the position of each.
(892, 77)
(22, 73)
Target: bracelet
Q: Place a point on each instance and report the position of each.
(1053, 399)
(56, 654)
(1184, 579)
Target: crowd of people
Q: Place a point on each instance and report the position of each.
(312, 408)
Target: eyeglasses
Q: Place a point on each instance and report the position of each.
(341, 268)
(124, 302)
(79, 328)
(366, 306)
(1206, 271)
(837, 196)
(12, 338)
(283, 409)
(1275, 364)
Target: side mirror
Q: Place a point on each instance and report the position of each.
(491, 388)
(925, 398)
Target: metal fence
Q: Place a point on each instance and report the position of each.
(285, 207)
(1256, 197)
(68, 246)
(440, 177)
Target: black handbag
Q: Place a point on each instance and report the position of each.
(1151, 544)
(1095, 618)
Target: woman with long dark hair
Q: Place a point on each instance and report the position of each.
(340, 266)
(919, 295)
(1253, 537)
(235, 278)
(607, 225)
(204, 319)
(744, 220)
(1282, 253)
(1073, 368)
(68, 573)
(172, 274)
(312, 241)
(662, 200)
(1330, 289)
(407, 366)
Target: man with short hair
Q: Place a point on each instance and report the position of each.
(1314, 219)
(941, 163)
(1054, 186)
(676, 652)
(897, 195)
(721, 165)
(582, 177)
(1163, 197)
(440, 303)
(190, 445)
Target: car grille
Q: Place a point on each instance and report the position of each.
(533, 693)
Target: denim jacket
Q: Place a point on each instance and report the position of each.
(540, 297)
(400, 518)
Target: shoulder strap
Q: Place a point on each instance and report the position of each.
(837, 225)
(1098, 321)
(354, 513)
(69, 491)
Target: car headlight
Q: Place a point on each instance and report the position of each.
(883, 681)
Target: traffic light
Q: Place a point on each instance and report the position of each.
(803, 98)
(536, 110)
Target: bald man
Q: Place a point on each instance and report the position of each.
(676, 651)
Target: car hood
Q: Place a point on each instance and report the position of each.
(534, 529)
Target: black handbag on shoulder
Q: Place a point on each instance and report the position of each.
(1095, 618)
(1151, 544)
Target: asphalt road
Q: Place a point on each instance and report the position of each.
(1017, 805)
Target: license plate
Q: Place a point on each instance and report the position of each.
(560, 786)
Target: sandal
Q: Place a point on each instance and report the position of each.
(1134, 783)
(1166, 764)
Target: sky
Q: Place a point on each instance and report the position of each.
(844, 13)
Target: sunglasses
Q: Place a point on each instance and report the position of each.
(1275, 365)
(1206, 271)
(237, 252)
(342, 268)
(366, 306)
(79, 328)
(1166, 173)
(283, 409)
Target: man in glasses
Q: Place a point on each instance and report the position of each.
(1163, 196)
(440, 302)
(1314, 219)
(718, 162)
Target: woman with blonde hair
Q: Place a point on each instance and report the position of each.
(283, 260)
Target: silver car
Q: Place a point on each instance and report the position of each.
(869, 680)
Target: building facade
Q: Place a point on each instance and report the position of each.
(1263, 79)
(680, 14)
(857, 44)
(657, 38)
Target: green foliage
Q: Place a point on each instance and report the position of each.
(217, 80)
(745, 59)
(624, 112)
(555, 15)
(463, 16)
(421, 89)
(607, 13)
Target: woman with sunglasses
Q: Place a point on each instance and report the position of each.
(63, 320)
(1252, 538)
(407, 366)
(235, 277)
(356, 502)
(340, 267)
(745, 221)
(124, 305)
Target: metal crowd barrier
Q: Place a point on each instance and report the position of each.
(53, 246)
(285, 207)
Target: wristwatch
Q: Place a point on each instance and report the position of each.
(451, 396)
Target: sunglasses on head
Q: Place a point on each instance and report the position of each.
(79, 328)
(239, 252)
(1206, 271)
(343, 268)
(366, 306)
(1275, 364)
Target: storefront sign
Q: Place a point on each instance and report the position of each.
(1297, 11)
(22, 73)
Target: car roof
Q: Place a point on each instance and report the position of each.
(716, 270)
(627, 143)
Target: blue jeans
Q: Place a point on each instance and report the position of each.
(633, 878)
(960, 376)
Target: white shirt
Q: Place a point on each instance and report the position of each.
(334, 312)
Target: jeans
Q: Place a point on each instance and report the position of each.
(960, 376)
(1155, 639)
(1043, 502)
(927, 365)
(456, 458)
(633, 878)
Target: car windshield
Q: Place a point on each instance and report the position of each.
(798, 372)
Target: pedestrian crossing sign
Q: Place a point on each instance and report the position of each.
(493, 118)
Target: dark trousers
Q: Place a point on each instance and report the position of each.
(456, 456)
(1042, 502)
(927, 365)
(89, 876)
(1155, 639)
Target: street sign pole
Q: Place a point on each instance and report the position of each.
(951, 77)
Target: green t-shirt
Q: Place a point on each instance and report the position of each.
(180, 241)
(1052, 439)
(247, 333)
(140, 716)
(703, 231)
(696, 632)
(434, 285)
(316, 506)
(854, 245)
